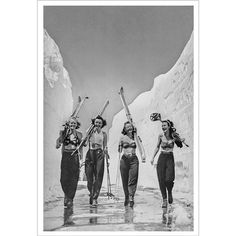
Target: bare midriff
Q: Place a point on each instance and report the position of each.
(129, 151)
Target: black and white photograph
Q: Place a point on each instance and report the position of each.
(118, 117)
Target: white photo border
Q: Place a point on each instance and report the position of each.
(40, 147)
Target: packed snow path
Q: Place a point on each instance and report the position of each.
(111, 215)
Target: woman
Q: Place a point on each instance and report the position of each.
(129, 164)
(166, 164)
(94, 161)
(70, 139)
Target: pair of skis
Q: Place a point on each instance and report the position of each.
(90, 129)
(78, 106)
(128, 115)
(74, 114)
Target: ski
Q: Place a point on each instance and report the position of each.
(129, 117)
(78, 107)
(74, 115)
(90, 129)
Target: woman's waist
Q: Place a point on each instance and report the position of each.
(130, 158)
(95, 150)
(70, 147)
(95, 146)
(129, 155)
(167, 149)
(128, 150)
(166, 153)
(94, 154)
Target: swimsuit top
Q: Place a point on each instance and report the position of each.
(72, 139)
(128, 145)
(167, 145)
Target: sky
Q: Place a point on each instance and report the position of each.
(104, 48)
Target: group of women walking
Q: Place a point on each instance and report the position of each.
(71, 138)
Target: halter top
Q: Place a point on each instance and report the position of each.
(96, 140)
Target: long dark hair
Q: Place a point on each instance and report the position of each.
(104, 122)
(173, 134)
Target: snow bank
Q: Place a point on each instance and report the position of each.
(58, 104)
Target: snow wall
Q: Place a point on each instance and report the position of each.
(58, 105)
(172, 96)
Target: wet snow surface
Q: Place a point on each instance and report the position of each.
(111, 215)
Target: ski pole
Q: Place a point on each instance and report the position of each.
(107, 177)
(109, 194)
(118, 176)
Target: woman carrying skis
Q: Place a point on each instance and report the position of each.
(129, 164)
(94, 161)
(166, 164)
(70, 139)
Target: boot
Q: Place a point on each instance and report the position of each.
(131, 201)
(170, 198)
(90, 200)
(69, 203)
(126, 201)
(65, 201)
(164, 203)
(95, 203)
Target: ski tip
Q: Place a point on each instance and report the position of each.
(121, 90)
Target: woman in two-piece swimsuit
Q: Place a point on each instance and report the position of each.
(129, 163)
